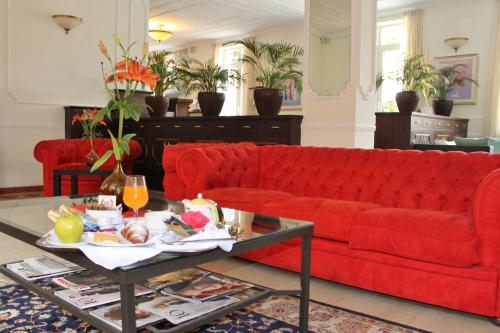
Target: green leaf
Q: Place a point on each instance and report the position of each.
(127, 137)
(102, 112)
(124, 146)
(116, 148)
(101, 160)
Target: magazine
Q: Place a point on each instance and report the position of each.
(83, 280)
(96, 296)
(176, 279)
(205, 288)
(177, 311)
(112, 315)
(42, 267)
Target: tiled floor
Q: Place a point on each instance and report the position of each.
(390, 308)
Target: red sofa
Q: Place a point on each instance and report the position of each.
(70, 153)
(419, 225)
(173, 187)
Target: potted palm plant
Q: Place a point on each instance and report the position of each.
(207, 78)
(161, 64)
(275, 65)
(444, 80)
(414, 76)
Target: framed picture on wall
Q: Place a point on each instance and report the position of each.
(465, 93)
(291, 98)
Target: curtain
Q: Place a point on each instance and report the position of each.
(495, 101)
(413, 26)
(247, 94)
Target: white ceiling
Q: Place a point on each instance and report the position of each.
(196, 20)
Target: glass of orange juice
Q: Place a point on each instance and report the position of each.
(135, 193)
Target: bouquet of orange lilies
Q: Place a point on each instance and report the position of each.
(131, 72)
(88, 125)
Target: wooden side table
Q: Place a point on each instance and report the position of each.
(74, 173)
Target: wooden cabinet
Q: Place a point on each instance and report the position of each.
(154, 133)
(400, 130)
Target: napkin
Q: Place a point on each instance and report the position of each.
(209, 232)
(112, 257)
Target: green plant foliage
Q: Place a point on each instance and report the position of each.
(162, 63)
(206, 76)
(275, 64)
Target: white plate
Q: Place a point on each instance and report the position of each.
(123, 242)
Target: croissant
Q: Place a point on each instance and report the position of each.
(135, 232)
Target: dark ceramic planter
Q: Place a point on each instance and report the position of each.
(442, 107)
(268, 101)
(407, 101)
(158, 106)
(211, 103)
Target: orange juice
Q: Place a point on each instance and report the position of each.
(135, 197)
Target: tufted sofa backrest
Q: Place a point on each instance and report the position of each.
(393, 178)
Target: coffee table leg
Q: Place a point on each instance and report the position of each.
(128, 308)
(74, 184)
(305, 279)
(57, 184)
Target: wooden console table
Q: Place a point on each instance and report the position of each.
(154, 133)
(402, 130)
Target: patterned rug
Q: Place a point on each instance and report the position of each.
(23, 311)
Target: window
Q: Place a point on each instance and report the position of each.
(227, 58)
(390, 55)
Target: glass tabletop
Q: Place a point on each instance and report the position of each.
(30, 215)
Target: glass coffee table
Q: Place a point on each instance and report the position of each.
(26, 220)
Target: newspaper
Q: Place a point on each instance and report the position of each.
(112, 315)
(83, 280)
(42, 267)
(96, 296)
(177, 311)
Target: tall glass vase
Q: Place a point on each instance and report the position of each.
(115, 183)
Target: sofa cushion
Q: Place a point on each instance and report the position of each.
(435, 236)
(332, 218)
(242, 198)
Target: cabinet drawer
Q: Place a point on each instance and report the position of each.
(427, 123)
(440, 123)
(276, 128)
(416, 122)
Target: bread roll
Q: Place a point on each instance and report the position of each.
(135, 232)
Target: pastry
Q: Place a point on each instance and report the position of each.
(135, 232)
(101, 237)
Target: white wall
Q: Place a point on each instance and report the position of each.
(42, 69)
(475, 19)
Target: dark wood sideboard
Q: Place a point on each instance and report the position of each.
(155, 133)
(401, 131)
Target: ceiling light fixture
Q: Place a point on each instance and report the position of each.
(67, 22)
(159, 34)
(456, 42)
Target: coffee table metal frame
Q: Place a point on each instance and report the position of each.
(165, 263)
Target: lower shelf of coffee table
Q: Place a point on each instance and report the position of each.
(187, 326)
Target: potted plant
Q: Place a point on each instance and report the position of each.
(275, 65)
(161, 64)
(414, 76)
(444, 80)
(130, 72)
(89, 131)
(206, 77)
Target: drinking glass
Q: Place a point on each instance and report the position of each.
(135, 193)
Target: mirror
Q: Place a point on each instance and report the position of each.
(329, 46)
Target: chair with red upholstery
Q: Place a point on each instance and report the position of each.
(70, 154)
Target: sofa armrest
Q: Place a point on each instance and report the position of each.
(54, 152)
(201, 169)
(487, 218)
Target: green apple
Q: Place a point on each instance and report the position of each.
(69, 228)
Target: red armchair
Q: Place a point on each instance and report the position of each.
(70, 153)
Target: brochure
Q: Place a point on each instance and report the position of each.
(96, 296)
(46, 266)
(178, 311)
(176, 279)
(112, 315)
(83, 280)
(205, 288)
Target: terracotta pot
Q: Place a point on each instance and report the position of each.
(442, 107)
(158, 106)
(115, 183)
(407, 101)
(91, 157)
(211, 103)
(268, 101)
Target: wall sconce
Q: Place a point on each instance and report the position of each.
(67, 22)
(456, 42)
(159, 34)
